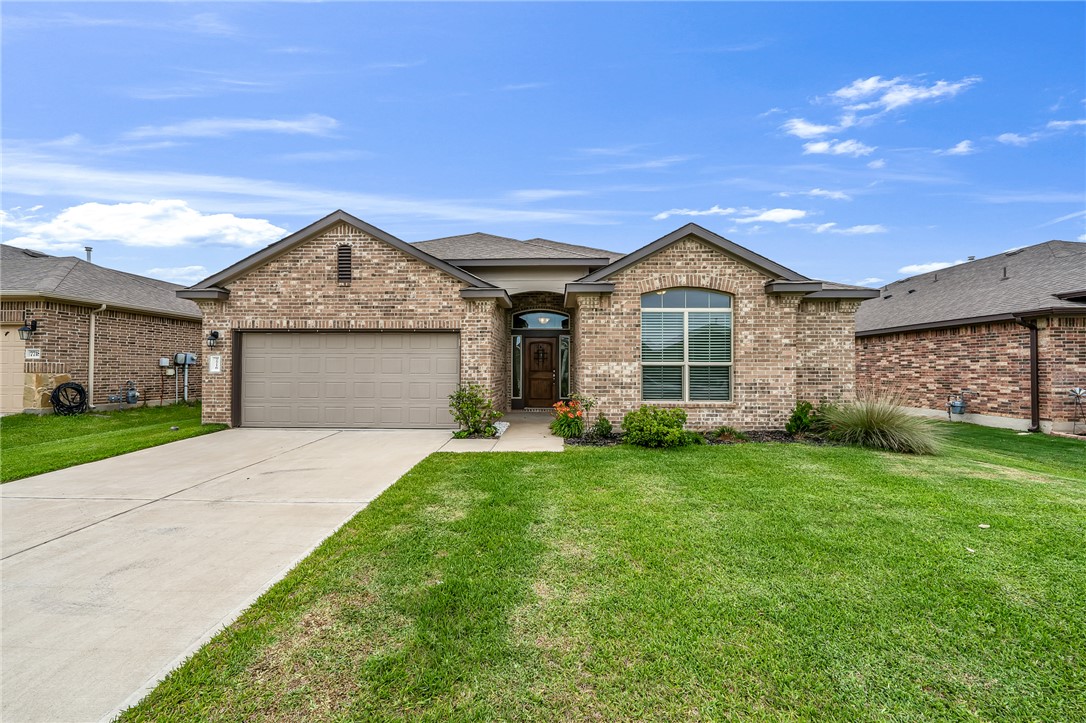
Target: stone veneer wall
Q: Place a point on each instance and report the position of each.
(783, 349)
(991, 360)
(128, 347)
(389, 290)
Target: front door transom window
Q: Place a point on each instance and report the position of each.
(686, 345)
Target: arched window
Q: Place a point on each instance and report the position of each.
(541, 320)
(686, 345)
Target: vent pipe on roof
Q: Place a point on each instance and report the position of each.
(88, 249)
(972, 258)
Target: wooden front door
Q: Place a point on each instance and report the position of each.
(542, 372)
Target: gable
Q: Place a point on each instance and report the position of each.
(215, 284)
(692, 231)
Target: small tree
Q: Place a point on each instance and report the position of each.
(474, 411)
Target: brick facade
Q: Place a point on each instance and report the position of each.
(991, 360)
(389, 290)
(784, 349)
(128, 346)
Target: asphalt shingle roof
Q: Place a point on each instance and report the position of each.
(23, 270)
(1034, 275)
(481, 246)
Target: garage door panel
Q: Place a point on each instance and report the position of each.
(336, 379)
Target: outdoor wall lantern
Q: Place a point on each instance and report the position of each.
(28, 328)
(212, 338)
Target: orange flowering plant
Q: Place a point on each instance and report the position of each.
(569, 417)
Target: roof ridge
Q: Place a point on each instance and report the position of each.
(543, 246)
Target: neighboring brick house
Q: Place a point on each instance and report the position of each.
(135, 321)
(344, 325)
(970, 327)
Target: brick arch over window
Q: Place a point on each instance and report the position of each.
(690, 281)
(537, 301)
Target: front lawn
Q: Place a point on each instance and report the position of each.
(32, 444)
(757, 581)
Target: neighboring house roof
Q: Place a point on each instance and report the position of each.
(488, 247)
(1031, 281)
(210, 287)
(27, 273)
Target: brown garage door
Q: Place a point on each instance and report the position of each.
(390, 379)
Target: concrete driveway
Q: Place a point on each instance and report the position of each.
(114, 572)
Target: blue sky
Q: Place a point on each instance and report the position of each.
(853, 142)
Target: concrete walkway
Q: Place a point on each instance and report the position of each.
(528, 432)
(114, 572)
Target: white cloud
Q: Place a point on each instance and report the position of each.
(312, 125)
(925, 268)
(803, 129)
(1068, 217)
(542, 194)
(877, 163)
(41, 175)
(964, 148)
(650, 164)
(818, 193)
(773, 215)
(714, 211)
(863, 230)
(1065, 125)
(1082, 237)
(890, 94)
(870, 281)
(157, 224)
(179, 274)
(838, 148)
(1014, 139)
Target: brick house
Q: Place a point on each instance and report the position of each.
(343, 325)
(96, 326)
(1009, 328)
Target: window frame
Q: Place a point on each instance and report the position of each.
(685, 364)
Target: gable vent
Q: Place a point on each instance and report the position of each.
(343, 263)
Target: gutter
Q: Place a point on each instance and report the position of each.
(1034, 376)
(90, 364)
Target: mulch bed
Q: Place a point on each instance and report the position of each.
(764, 436)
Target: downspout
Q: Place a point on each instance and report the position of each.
(90, 370)
(1034, 377)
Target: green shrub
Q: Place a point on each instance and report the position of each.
(802, 419)
(730, 434)
(655, 427)
(878, 422)
(474, 411)
(602, 427)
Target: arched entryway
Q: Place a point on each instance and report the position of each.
(540, 358)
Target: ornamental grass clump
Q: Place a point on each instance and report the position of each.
(879, 422)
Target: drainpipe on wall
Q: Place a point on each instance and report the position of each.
(1034, 377)
(90, 368)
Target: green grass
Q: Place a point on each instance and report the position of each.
(32, 444)
(755, 581)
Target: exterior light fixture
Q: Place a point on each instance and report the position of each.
(28, 328)
(212, 338)
(544, 320)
